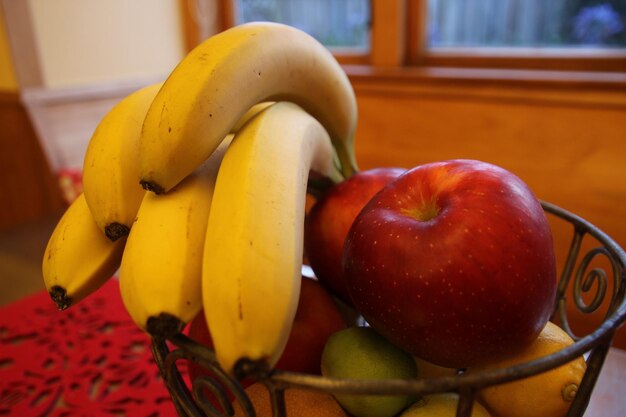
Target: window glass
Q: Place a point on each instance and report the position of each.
(527, 23)
(335, 23)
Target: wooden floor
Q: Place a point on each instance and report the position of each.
(21, 251)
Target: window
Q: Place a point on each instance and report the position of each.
(340, 25)
(582, 35)
(527, 23)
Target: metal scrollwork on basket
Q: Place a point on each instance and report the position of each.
(589, 279)
(194, 402)
(580, 275)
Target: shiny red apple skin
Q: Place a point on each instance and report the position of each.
(317, 317)
(330, 218)
(475, 282)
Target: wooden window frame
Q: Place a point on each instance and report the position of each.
(398, 45)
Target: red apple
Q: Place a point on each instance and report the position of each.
(453, 262)
(317, 317)
(330, 218)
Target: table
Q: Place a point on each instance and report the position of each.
(92, 360)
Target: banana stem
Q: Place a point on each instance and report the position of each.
(347, 159)
(317, 186)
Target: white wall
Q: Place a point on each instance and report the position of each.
(92, 41)
(89, 54)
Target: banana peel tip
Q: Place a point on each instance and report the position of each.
(60, 297)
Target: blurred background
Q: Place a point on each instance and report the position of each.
(538, 87)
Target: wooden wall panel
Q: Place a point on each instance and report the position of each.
(571, 155)
(29, 189)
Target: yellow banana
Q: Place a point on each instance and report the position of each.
(110, 170)
(78, 258)
(212, 87)
(161, 269)
(257, 108)
(254, 238)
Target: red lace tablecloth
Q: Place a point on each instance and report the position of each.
(90, 360)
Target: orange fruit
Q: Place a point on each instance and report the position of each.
(299, 402)
(548, 394)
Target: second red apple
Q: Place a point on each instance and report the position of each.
(330, 218)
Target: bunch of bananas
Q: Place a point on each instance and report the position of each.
(195, 190)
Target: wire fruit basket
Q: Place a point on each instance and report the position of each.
(592, 280)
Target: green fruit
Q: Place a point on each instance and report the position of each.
(361, 353)
(440, 405)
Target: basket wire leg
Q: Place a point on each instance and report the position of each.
(594, 366)
(217, 383)
(277, 398)
(566, 275)
(466, 402)
(184, 404)
(202, 383)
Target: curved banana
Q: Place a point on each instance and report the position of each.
(161, 269)
(252, 111)
(110, 169)
(78, 258)
(253, 248)
(221, 78)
